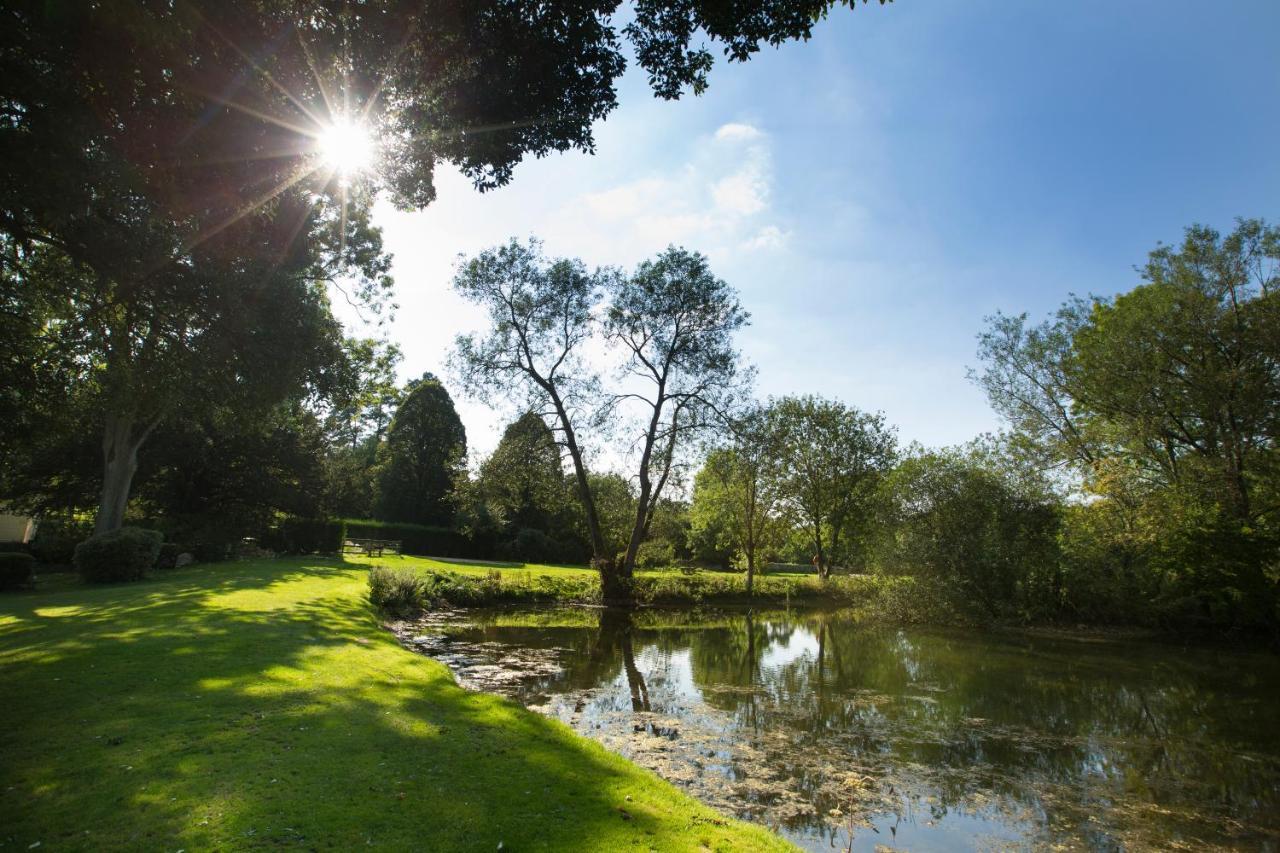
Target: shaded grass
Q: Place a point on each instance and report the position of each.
(260, 704)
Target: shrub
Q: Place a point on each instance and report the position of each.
(55, 544)
(121, 555)
(14, 548)
(420, 540)
(396, 591)
(167, 556)
(15, 569)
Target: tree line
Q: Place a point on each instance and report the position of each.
(1136, 481)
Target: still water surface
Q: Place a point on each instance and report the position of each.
(840, 735)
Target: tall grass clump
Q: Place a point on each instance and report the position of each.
(396, 591)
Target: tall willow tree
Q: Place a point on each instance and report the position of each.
(671, 326)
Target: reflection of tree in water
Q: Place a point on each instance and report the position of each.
(1095, 741)
(613, 640)
(1117, 744)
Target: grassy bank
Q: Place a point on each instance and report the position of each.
(472, 584)
(259, 704)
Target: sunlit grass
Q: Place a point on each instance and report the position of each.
(260, 704)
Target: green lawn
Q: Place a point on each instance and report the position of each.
(255, 705)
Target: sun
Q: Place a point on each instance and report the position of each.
(347, 147)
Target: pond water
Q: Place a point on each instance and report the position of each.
(847, 736)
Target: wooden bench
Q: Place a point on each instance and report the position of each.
(371, 547)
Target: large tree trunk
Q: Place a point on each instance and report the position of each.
(823, 569)
(119, 462)
(614, 589)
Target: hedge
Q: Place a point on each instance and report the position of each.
(305, 536)
(419, 540)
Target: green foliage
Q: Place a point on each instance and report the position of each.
(126, 554)
(15, 569)
(419, 539)
(954, 518)
(396, 591)
(218, 476)
(830, 458)
(656, 554)
(737, 494)
(534, 546)
(1160, 406)
(517, 587)
(308, 536)
(521, 501)
(55, 543)
(212, 552)
(422, 459)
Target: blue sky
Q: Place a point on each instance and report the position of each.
(874, 193)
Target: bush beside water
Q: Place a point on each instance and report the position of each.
(401, 591)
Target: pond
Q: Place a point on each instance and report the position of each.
(848, 736)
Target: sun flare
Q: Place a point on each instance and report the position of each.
(346, 147)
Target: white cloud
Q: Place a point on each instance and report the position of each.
(738, 132)
(767, 238)
(717, 202)
(743, 193)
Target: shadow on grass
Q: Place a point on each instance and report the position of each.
(261, 704)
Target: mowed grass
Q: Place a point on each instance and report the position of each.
(260, 704)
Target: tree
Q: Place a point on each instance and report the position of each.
(219, 477)
(830, 457)
(521, 492)
(356, 427)
(1171, 392)
(136, 217)
(166, 154)
(540, 317)
(736, 492)
(673, 321)
(180, 344)
(423, 457)
(956, 516)
(676, 322)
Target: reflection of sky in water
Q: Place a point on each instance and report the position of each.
(789, 650)
(964, 741)
(666, 673)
